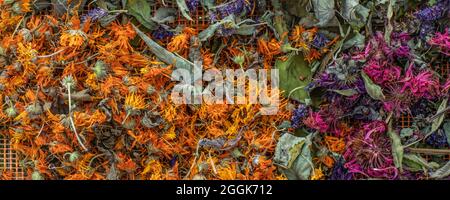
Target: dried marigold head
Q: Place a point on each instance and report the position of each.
(134, 102)
(26, 53)
(181, 41)
(73, 38)
(335, 144)
(317, 174)
(313, 55)
(122, 35)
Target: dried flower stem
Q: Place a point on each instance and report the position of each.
(195, 161)
(51, 55)
(430, 151)
(438, 114)
(71, 120)
(212, 163)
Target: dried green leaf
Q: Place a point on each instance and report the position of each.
(106, 20)
(416, 163)
(397, 147)
(438, 121)
(184, 9)
(290, 72)
(347, 92)
(163, 54)
(442, 172)
(142, 12)
(246, 29)
(355, 13)
(287, 150)
(164, 15)
(297, 7)
(373, 89)
(324, 11)
(294, 154)
(211, 30)
(446, 128)
(356, 41)
(406, 132)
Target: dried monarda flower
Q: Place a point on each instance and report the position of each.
(369, 152)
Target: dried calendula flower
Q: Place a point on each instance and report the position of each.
(73, 38)
(133, 104)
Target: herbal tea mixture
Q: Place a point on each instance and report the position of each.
(86, 89)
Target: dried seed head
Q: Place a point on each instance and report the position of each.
(240, 59)
(17, 66)
(199, 177)
(2, 51)
(129, 124)
(126, 80)
(26, 35)
(69, 81)
(11, 112)
(133, 89)
(65, 121)
(73, 38)
(36, 176)
(17, 8)
(74, 156)
(100, 69)
(34, 109)
(2, 61)
(151, 90)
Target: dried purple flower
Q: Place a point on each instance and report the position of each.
(438, 139)
(192, 5)
(225, 32)
(94, 14)
(161, 33)
(235, 7)
(298, 115)
(339, 171)
(434, 12)
(426, 29)
(320, 40)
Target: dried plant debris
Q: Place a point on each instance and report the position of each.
(86, 89)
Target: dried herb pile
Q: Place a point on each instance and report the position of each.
(85, 89)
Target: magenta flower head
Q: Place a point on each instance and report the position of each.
(382, 73)
(369, 152)
(442, 40)
(423, 85)
(316, 121)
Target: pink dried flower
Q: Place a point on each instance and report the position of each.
(382, 74)
(442, 40)
(316, 121)
(422, 85)
(369, 152)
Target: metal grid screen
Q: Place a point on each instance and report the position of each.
(9, 163)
